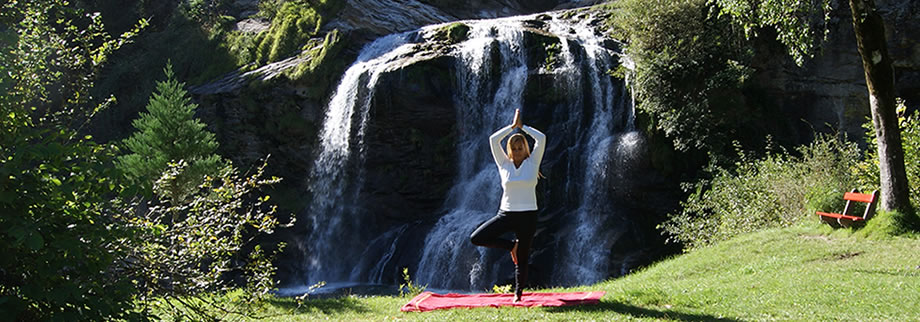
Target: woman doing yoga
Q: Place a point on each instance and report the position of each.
(518, 169)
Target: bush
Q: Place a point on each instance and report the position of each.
(868, 169)
(181, 255)
(73, 248)
(778, 190)
(318, 62)
(58, 235)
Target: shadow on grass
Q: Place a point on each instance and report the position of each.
(326, 306)
(638, 312)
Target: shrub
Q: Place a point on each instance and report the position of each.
(408, 288)
(778, 190)
(181, 255)
(886, 224)
(318, 62)
(58, 238)
(868, 171)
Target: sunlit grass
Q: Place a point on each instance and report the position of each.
(799, 273)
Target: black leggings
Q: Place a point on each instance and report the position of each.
(523, 224)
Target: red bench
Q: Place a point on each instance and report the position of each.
(846, 219)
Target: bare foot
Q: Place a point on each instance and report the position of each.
(514, 253)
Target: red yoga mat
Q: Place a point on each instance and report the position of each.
(428, 301)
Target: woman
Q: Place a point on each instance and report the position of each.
(518, 168)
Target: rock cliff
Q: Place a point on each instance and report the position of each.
(829, 92)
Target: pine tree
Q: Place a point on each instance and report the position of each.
(168, 134)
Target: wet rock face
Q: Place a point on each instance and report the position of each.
(493, 8)
(831, 88)
(369, 19)
(411, 157)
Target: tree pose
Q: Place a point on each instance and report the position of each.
(519, 169)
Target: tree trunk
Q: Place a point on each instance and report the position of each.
(870, 38)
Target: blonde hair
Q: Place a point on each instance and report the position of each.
(520, 137)
(514, 138)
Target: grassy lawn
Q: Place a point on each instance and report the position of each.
(803, 273)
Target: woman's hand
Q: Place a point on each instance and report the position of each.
(517, 119)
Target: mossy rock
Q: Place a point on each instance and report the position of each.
(294, 24)
(321, 62)
(452, 33)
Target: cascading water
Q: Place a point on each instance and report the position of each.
(336, 175)
(586, 131)
(449, 261)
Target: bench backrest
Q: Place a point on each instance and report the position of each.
(869, 199)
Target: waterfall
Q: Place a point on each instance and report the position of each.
(473, 200)
(336, 175)
(589, 132)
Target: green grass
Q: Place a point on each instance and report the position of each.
(799, 273)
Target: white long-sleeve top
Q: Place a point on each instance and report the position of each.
(519, 183)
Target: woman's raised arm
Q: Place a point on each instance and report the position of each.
(539, 143)
(495, 142)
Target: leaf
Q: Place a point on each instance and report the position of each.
(35, 241)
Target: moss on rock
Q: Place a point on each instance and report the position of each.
(294, 24)
(320, 61)
(452, 33)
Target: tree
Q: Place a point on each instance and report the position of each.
(690, 73)
(877, 64)
(169, 133)
(56, 186)
(796, 25)
(72, 247)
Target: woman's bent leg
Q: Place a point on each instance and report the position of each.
(487, 234)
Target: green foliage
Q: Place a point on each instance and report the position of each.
(74, 248)
(690, 70)
(409, 288)
(269, 8)
(501, 289)
(868, 170)
(886, 224)
(188, 250)
(778, 190)
(552, 52)
(294, 24)
(243, 46)
(168, 133)
(57, 229)
(317, 57)
(797, 23)
(208, 13)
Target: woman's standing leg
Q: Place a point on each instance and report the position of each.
(525, 225)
